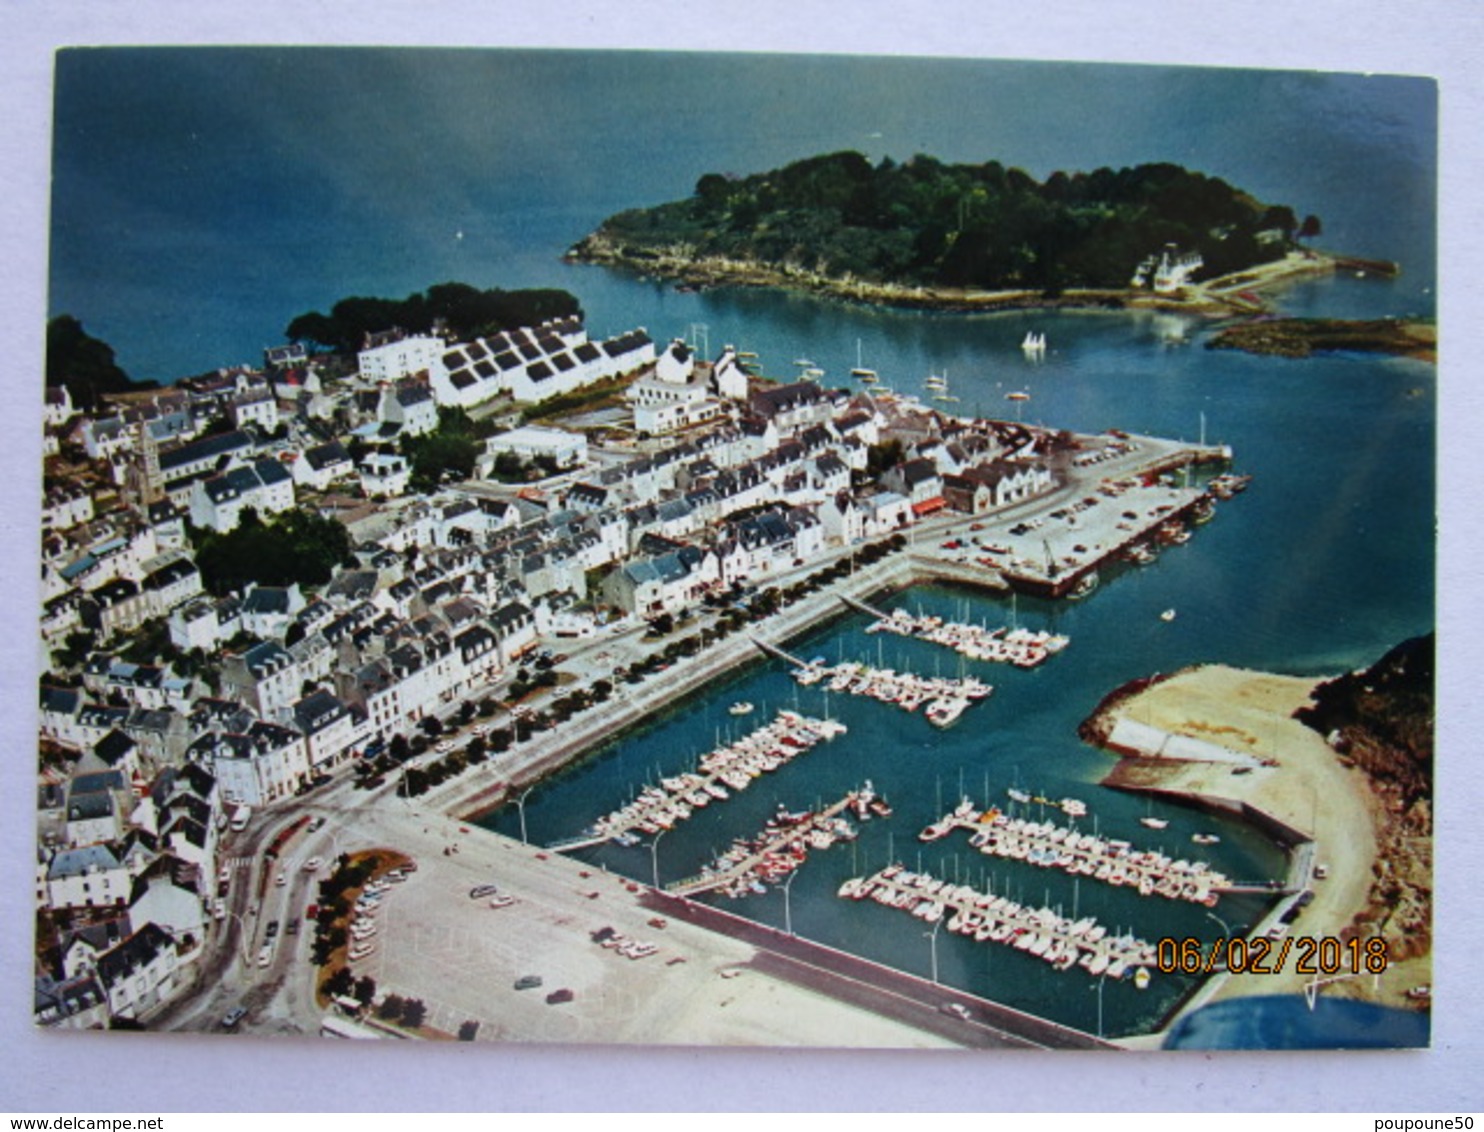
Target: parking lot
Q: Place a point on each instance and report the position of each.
(462, 957)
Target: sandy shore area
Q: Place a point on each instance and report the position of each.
(1302, 783)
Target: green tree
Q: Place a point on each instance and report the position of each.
(414, 1013)
(83, 364)
(365, 990)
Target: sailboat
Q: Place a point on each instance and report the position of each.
(938, 383)
(1033, 344)
(860, 369)
(1149, 821)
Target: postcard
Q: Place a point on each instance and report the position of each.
(684, 549)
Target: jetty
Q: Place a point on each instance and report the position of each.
(946, 698)
(1020, 647)
(719, 773)
(780, 849)
(1110, 861)
(987, 918)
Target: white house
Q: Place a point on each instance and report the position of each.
(141, 973)
(258, 407)
(322, 465)
(385, 474)
(87, 877)
(218, 501)
(401, 358)
(566, 449)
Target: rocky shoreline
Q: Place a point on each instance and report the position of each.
(1303, 337)
(679, 264)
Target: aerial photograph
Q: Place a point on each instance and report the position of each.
(659, 548)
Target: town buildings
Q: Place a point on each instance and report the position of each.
(246, 699)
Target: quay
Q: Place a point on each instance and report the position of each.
(780, 850)
(886, 991)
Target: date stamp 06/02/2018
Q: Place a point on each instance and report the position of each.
(1309, 955)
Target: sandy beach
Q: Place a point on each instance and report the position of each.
(1301, 782)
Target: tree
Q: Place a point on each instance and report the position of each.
(414, 1013)
(298, 546)
(341, 982)
(391, 1008)
(365, 991)
(467, 1030)
(83, 364)
(1310, 228)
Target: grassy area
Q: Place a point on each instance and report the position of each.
(604, 394)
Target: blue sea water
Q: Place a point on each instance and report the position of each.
(1287, 1022)
(203, 198)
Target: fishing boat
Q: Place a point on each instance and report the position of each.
(1085, 585)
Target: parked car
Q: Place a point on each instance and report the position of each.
(557, 996)
(480, 891)
(233, 1016)
(526, 982)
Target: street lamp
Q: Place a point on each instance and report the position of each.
(241, 938)
(933, 939)
(1226, 932)
(654, 856)
(520, 803)
(788, 922)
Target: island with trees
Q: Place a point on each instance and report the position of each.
(930, 234)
